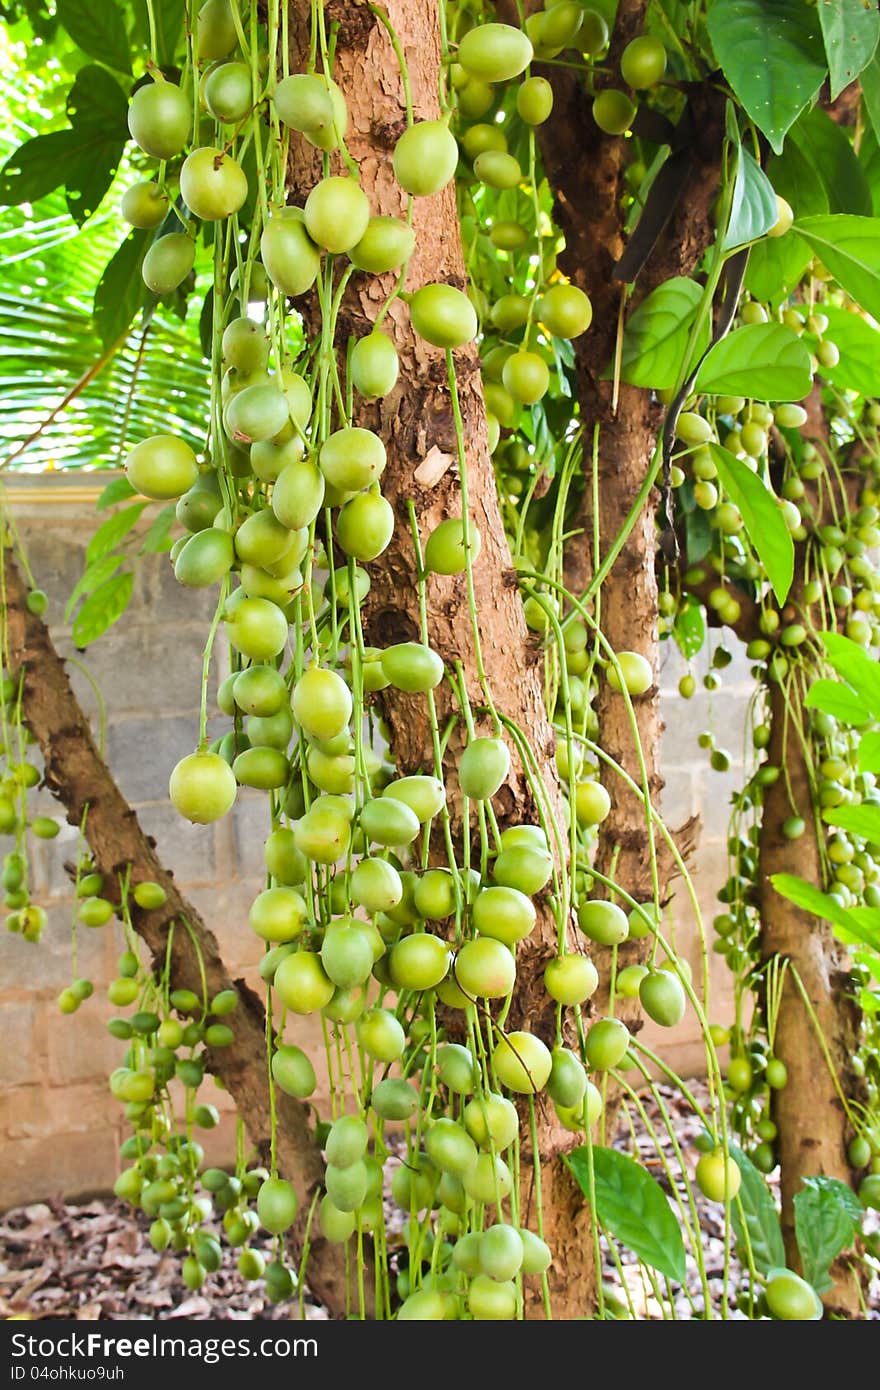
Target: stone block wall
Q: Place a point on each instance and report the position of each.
(59, 1127)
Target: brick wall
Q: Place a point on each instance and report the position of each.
(59, 1127)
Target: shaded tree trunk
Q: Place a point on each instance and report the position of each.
(78, 777)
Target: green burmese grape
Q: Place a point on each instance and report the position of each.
(160, 119)
(613, 111)
(426, 796)
(501, 1252)
(259, 690)
(257, 628)
(278, 914)
(212, 184)
(425, 158)
(534, 100)
(347, 1141)
(388, 822)
(419, 962)
(322, 703)
(491, 1120)
(336, 213)
(376, 885)
(162, 467)
(204, 559)
(352, 459)
(291, 258)
(643, 62)
(302, 984)
(227, 92)
(662, 997)
(335, 1225)
(265, 768)
(567, 1084)
(482, 768)
(790, 1298)
(298, 495)
(498, 169)
(503, 913)
(364, 526)
(489, 1179)
(202, 787)
(636, 671)
(522, 1062)
(494, 52)
(606, 1044)
(524, 867)
(347, 1187)
(381, 1035)
(566, 311)
(276, 1205)
(603, 922)
(374, 365)
(395, 1099)
(385, 245)
(144, 205)
(456, 1069)
(448, 546)
(303, 102)
(347, 955)
(168, 262)
(485, 969)
(450, 1147)
(435, 894)
(526, 376)
(571, 979)
(412, 667)
(323, 834)
(443, 316)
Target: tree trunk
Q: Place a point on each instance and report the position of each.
(77, 775)
(417, 421)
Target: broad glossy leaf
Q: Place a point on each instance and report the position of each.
(97, 109)
(753, 208)
(772, 55)
(98, 28)
(657, 334)
(92, 578)
(827, 1216)
(850, 29)
(36, 167)
(869, 752)
(754, 1213)
(859, 343)
(838, 700)
(633, 1207)
(113, 530)
(832, 162)
(850, 248)
(765, 361)
(870, 85)
(861, 820)
(775, 267)
(794, 176)
(869, 158)
(822, 905)
(762, 518)
(102, 609)
(121, 291)
(689, 629)
(853, 663)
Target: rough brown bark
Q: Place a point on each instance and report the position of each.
(813, 1129)
(414, 420)
(77, 775)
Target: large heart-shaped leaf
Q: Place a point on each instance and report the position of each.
(850, 248)
(97, 27)
(765, 361)
(772, 55)
(859, 344)
(853, 663)
(838, 700)
(753, 207)
(861, 820)
(98, 113)
(832, 163)
(850, 29)
(775, 267)
(827, 1216)
(633, 1207)
(754, 1214)
(869, 752)
(762, 518)
(656, 336)
(861, 923)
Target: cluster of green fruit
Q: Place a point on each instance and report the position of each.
(23, 917)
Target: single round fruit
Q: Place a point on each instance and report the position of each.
(482, 768)
(168, 262)
(374, 365)
(385, 245)
(503, 914)
(606, 1044)
(613, 111)
(443, 316)
(365, 526)
(662, 996)
(160, 119)
(227, 92)
(485, 969)
(718, 1176)
(419, 962)
(522, 1062)
(603, 922)
(636, 671)
(494, 52)
(257, 628)
(449, 544)
(161, 467)
(144, 205)
(212, 184)
(643, 62)
(336, 214)
(302, 984)
(381, 1035)
(571, 979)
(202, 787)
(790, 1298)
(291, 258)
(278, 914)
(322, 703)
(412, 667)
(566, 311)
(526, 376)
(534, 100)
(276, 1205)
(352, 458)
(425, 158)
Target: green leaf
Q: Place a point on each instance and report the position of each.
(863, 820)
(832, 162)
(113, 530)
(92, 578)
(869, 753)
(97, 109)
(158, 537)
(633, 1207)
(775, 267)
(117, 490)
(699, 535)
(850, 29)
(97, 27)
(853, 663)
(870, 85)
(859, 343)
(121, 291)
(795, 177)
(754, 1214)
(827, 1215)
(765, 361)
(850, 248)
(689, 629)
(869, 158)
(656, 336)
(102, 609)
(838, 700)
(36, 167)
(762, 518)
(772, 56)
(753, 208)
(822, 905)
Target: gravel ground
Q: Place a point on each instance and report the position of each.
(93, 1260)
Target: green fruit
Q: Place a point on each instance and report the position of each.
(160, 119)
(347, 1187)
(606, 1044)
(603, 922)
(504, 914)
(662, 997)
(302, 984)
(212, 185)
(257, 628)
(426, 796)
(291, 258)
(571, 979)
(347, 1141)
(523, 867)
(790, 1298)
(347, 955)
(494, 52)
(456, 1069)
(144, 205)
(364, 526)
(161, 467)
(256, 413)
(498, 169)
(278, 914)
(526, 376)
(260, 690)
(322, 703)
(205, 559)
(450, 1147)
(637, 673)
(434, 894)
(567, 1085)
(376, 885)
(566, 311)
(419, 962)
(522, 1062)
(352, 458)
(374, 365)
(276, 1205)
(869, 1191)
(202, 787)
(718, 1176)
(335, 1225)
(443, 316)
(412, 667)
(394, 1099)
(303, 102)
(534, 100)
(168, 262)
(216, 34)
(491, 1121)
(643, 62)
(501, 1252)
(298, 495)
(482, 768)
(425, 158)
(385, 245)
(613, 111)
(380, 1035)
(388, 822)
(336, 214)
(227, 92)
(485, 969)
(323, 834)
